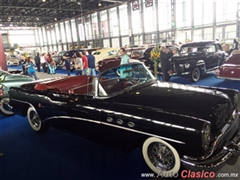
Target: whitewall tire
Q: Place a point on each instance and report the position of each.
(161, 157)
(35, 121)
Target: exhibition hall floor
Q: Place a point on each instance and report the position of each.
(58, 155)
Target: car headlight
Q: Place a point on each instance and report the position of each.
(187, 65)
(206, 136)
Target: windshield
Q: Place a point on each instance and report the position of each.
(123, 77)
(61, 53)
(191, 49)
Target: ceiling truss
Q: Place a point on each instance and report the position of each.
(36, 13)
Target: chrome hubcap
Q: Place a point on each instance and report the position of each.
(195, 75)
(35, 120)
(5, 104)
(161, 156)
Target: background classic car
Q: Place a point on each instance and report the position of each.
(132, 52)
(178, 124)
(230, 69)
(146, 55)
(8, 80)
(105, 53)
(197, 58)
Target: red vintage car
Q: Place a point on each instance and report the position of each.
(231, 68)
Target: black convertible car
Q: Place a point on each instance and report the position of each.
(125, 107)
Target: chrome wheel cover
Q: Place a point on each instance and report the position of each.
(5, 107)
(35, 120)
(161, 156)
(196, 75)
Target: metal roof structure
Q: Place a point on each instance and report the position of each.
(37, 13)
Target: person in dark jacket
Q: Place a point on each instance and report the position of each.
(91, 64)
(67, 64)
(38, 62)
(23, 63)
(165, 55)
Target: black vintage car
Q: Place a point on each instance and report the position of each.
(146, 55)
(125, 107)
(197, 58)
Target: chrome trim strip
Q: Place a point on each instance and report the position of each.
(147, 119)
(21, 101)
(165, 112)
(25, 102)
(46, 98)
(221, 77)
(223, 160)
(116, 126)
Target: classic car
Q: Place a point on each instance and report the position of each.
(197, 58)
(8, 80)
(125, 107)
(105, 53)
(132, 52)
(13, 61)
(58, 58)
(146, 55)
(230, 69)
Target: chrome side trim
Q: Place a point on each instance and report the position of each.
(112, 125)
(166, 112)
(25, 102)
(221, 77)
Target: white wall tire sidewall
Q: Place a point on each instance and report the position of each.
(145, 146)
(30, 109)
(4, 111)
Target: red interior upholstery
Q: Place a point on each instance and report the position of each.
(83, 89)
(66, 84)
(112, 85)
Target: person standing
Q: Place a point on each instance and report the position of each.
(124, 57)
(165, 56)
(78, 64)
(23, 63)
(31, 70)
(38, 62)
(67, 64)
(91, 64)
(42, 61)
(85, 63)
(235, 44)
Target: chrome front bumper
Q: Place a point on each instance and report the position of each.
(217, 160)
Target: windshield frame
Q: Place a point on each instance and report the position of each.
(126, 89)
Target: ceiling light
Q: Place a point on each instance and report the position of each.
(99, 4)
(37, 19)
(55, 19)
(79, 3)
(43, 0)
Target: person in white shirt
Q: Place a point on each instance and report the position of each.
(42, 60)
(78, 64)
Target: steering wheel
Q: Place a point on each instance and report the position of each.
(134, 79)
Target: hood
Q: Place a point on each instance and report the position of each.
(177, 98)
